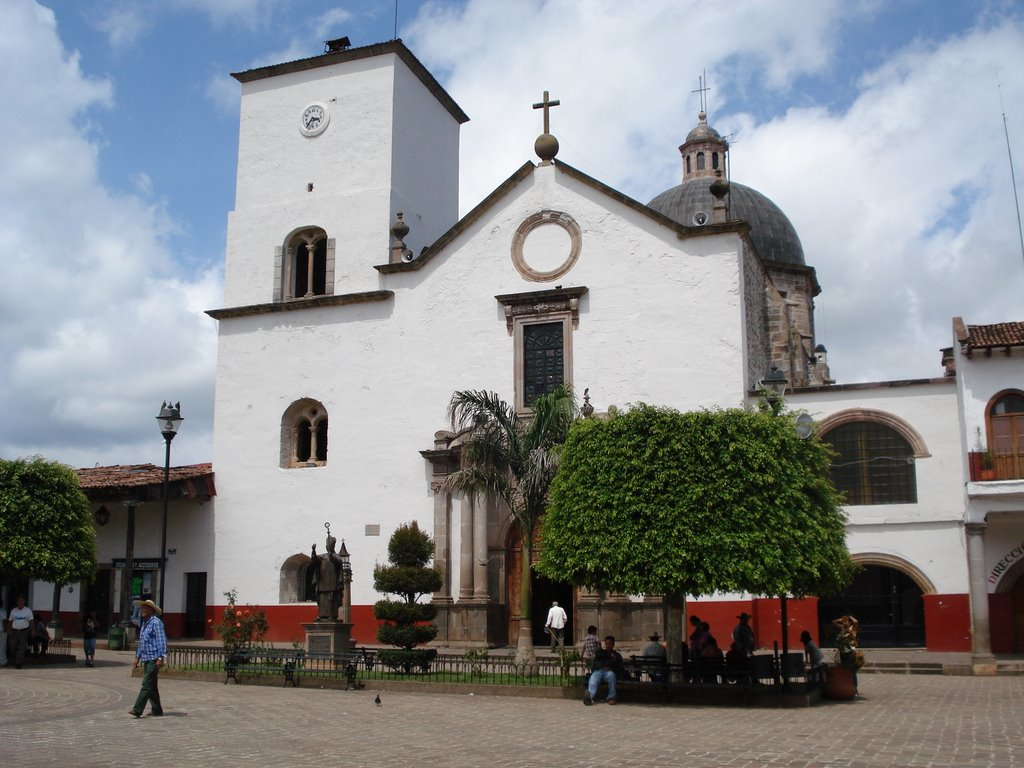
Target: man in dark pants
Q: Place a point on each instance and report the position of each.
(150, 652)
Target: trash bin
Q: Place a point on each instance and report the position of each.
(115, 638)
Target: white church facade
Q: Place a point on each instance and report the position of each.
(356, 302)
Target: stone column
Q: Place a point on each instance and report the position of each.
(442, 541)
(981, 639)
(467, 512)
(480, 548)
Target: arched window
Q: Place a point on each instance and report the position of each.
(714, 160)
(874, 464)
(304, 434)
(700, 161)
(688, 164)
(296, 580)
(305, 265)
(1006, 430)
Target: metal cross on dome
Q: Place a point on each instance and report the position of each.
(546, 105)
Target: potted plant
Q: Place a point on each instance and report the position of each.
(841, 675)
(985, 463)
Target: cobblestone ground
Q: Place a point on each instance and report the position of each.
(77, 716)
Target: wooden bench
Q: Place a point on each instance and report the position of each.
(263, 662)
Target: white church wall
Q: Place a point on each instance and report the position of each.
(425, 162)
(386, 371)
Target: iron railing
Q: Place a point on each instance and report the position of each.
(444, 668)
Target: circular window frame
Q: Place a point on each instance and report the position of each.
(566, 222)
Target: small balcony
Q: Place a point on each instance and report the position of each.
(984, 467)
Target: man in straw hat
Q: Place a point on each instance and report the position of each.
(150, 651)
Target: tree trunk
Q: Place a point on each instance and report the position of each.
(525, 655)
(675, 605)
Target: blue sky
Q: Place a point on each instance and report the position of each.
(876, 126)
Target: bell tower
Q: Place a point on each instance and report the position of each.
(330, 149)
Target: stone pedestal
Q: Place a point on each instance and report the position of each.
(328, 637)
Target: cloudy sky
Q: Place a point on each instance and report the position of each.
(876, 126)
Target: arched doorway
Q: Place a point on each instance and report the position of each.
(887, 603)
(545, 591)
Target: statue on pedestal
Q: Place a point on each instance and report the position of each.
(328, 579)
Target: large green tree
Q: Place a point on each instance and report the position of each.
(513, 458)
(654, 501)
(46, 530)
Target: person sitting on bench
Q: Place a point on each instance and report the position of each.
(39, 637)
(607, 668)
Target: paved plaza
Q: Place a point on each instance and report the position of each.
(71, 715)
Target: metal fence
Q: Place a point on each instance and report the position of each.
(475, 668)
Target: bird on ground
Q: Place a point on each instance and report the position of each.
(376, 700)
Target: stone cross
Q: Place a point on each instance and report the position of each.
(546, 106)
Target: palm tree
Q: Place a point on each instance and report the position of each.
(513, 458)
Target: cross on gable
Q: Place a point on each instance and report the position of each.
(546, 106)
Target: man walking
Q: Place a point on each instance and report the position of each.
(555, 625)
(150, 652)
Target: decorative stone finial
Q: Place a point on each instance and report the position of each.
(399, 253)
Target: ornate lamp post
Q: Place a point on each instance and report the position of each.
(346, 580)
(774, 387)
(169, 420)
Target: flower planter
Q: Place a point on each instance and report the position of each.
(839, 684)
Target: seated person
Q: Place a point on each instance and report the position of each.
(39, 636)
(813, 653)
(712, 659)
(655, 655)
(607, 668)
(735, 659)
(591, 645)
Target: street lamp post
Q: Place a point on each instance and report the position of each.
(169, 420)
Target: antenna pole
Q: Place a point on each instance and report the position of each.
(396, 21)
(1013, 177)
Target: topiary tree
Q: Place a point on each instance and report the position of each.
(654, 501)
(46, 530)
(406, 620)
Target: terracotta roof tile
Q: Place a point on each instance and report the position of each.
(997, 335)
(191, 480)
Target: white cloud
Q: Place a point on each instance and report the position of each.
(902, 199)
(96, 326)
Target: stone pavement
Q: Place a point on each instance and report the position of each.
(70, 715)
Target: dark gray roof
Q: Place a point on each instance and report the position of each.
(770, 231)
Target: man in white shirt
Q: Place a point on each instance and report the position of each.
(21, 623)
(555, 625)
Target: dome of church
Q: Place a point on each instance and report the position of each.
(771, 232)
(703, 131)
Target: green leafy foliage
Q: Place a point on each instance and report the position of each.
(241, 627)
(654, 501)
(409, 551)
(46, 529)
(511, 458)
